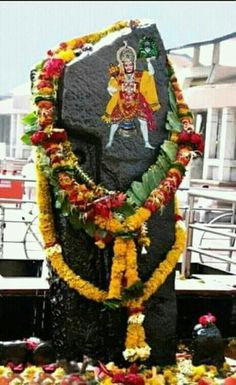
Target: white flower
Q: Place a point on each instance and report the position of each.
(180, 224)
(182, 380)
(144, 352)
(185, 367)
(128, 353)
(53, 249)
(141, 353)
(137, 318)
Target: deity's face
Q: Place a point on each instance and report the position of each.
(128, 67)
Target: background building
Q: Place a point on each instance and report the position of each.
(207, 73)
(13, 153)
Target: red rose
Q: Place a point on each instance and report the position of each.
(103, 210)
(134, 367)
(119, 378)
(207, 319)
(50, 52)
(73, 197)
(53, 67)
(175, 177)
(59, 136)
(198, 142)
(45, 104)
(63, 45)
(150, 205)
(38, 137)
(184, 137)
(135, 310)
(44, 83)
(134, 379)
(178, 218)
(117, 200)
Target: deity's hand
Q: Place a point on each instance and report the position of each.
(150, 58)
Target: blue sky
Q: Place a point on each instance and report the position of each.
(29, 28)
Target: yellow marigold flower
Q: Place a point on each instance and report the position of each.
(183, 111)
(198, 372)
(5, 371)
(46, 91)
(135, 221)
(31, 372)
(174, 137)
(59, 373)
(66, 55)
(100, 221)
(156, 380)
(71, 43)
(144, 241)
(16, 381)
(106, 118)
(106, 381)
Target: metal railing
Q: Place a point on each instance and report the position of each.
(224, 232)
(21, 214)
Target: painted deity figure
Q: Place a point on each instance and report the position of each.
(133, 95)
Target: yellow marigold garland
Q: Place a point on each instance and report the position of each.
(131, 272)
(124, 255)
(118, 268)
(124, 272)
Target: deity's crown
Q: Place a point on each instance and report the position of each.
(126, 54)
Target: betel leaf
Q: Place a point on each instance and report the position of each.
(145, 183)
(102, 233)
(139, 190)
(172, 99)
(65, 208)
(126, 209)
(112, 303)
(163, 162)
(30, 129)
(168, 127)
(132, 199)
(26, 139)
(174, 122)
(40, 65)
(151, 180)
(30, 119)
(60, 197)
(90, 228)
(75, 221)
(158, 174)
(170, 149)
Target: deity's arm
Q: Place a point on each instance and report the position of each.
(112, 86)
(150, 67)
(149, 90)
(113, 90)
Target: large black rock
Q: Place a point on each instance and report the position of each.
(81, 326)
